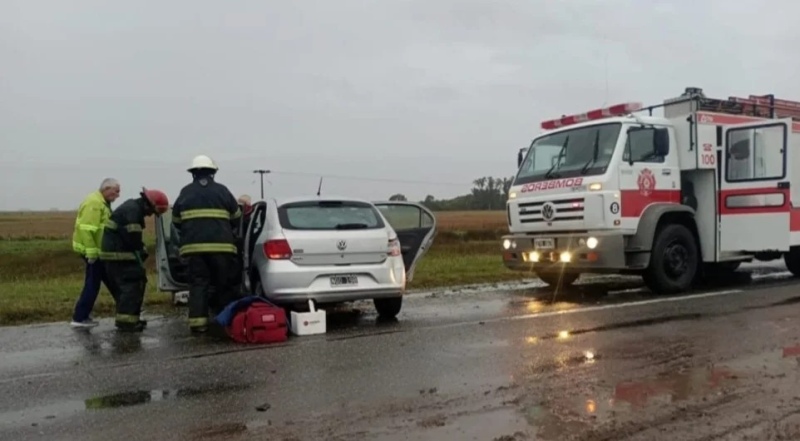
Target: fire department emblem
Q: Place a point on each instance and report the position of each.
(646, 182)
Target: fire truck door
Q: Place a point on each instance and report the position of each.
(754, 176)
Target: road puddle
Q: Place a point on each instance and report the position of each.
(499, 424)
(127, 399)
(673, 387)
(35, 416)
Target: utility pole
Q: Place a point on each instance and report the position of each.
(262, 173)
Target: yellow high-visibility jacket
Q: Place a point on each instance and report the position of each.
(93, 214)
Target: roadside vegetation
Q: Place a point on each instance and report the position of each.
(40, 276)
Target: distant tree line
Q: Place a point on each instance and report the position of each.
(488, 193)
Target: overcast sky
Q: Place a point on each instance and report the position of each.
(428, 93)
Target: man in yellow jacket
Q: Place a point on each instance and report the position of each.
(93, 214)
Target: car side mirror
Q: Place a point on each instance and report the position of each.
(519, 158)
(661, 141)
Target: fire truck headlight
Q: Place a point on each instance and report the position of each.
(506, 244)
(534, 256)
(596, 186)
(566, 256)
(512, 195)
(591, 243)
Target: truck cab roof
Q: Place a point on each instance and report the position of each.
(627, 119)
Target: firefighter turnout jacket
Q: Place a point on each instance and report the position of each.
(122, 236)
(206, 213)
(93, 213)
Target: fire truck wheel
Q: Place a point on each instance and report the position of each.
(792, 260)
(558, 280)
(673, 262)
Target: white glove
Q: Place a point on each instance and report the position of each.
(92, 260)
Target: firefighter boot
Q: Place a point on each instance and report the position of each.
(198, 325)
(130, 327)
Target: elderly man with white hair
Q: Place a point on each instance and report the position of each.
(93, 213)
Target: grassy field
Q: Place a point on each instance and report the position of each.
(40, 276)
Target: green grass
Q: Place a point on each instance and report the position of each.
(40, 279)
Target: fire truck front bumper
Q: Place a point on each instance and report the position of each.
(590, 252)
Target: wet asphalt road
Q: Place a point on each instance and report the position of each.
(604, 361)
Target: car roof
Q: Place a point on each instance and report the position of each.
(287, 200)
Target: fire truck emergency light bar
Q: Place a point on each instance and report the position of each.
(616, 110)
(761, 104)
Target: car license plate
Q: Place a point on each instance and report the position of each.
(344, 280)
(544, 244)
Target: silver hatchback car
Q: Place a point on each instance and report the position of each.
(326, 249)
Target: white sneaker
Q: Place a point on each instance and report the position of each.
(88, 323)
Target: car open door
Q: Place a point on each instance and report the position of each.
(173, 275)
(172, 270)
(415, 226)
(253, 229)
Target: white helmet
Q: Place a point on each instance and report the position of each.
(203, 161)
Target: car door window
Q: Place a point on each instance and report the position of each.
(406, 217)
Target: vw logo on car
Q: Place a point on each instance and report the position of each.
(341, 245)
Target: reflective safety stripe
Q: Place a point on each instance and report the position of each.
(77, 246)
(89, 228)
(91, 252)
(111, 255)
(238, 214)
(133, 228)
(176, 219)
(205, 213)
(126, 318)
(111, 225)
(197, 321)
(208, 248)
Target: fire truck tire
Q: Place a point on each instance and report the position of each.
(673, 260)
(558, 280)
(792, 260)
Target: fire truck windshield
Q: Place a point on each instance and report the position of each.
(584, 151)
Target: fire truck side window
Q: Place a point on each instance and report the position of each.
(642, 148)
(755, 154)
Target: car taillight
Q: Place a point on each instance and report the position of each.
(394, 247)
(277, 249)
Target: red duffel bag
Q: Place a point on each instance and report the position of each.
(259, 322)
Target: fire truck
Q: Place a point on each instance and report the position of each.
(676, 197)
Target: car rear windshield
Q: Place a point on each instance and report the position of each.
(329, 215)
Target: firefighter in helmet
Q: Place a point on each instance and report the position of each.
(123, 253)
(206, 214)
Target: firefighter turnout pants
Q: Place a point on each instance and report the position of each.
(128, 279)
(210, 285)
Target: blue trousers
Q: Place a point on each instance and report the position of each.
(95, 275)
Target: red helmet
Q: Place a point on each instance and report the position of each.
(158, 201)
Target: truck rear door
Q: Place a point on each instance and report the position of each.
(754, 175)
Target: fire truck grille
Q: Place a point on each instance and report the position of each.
(559, 210)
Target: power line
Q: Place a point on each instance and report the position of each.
(363, 178)
(259, 171)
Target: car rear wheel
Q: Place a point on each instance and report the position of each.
(388, 307)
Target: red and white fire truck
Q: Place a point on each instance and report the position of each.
(709, 184)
